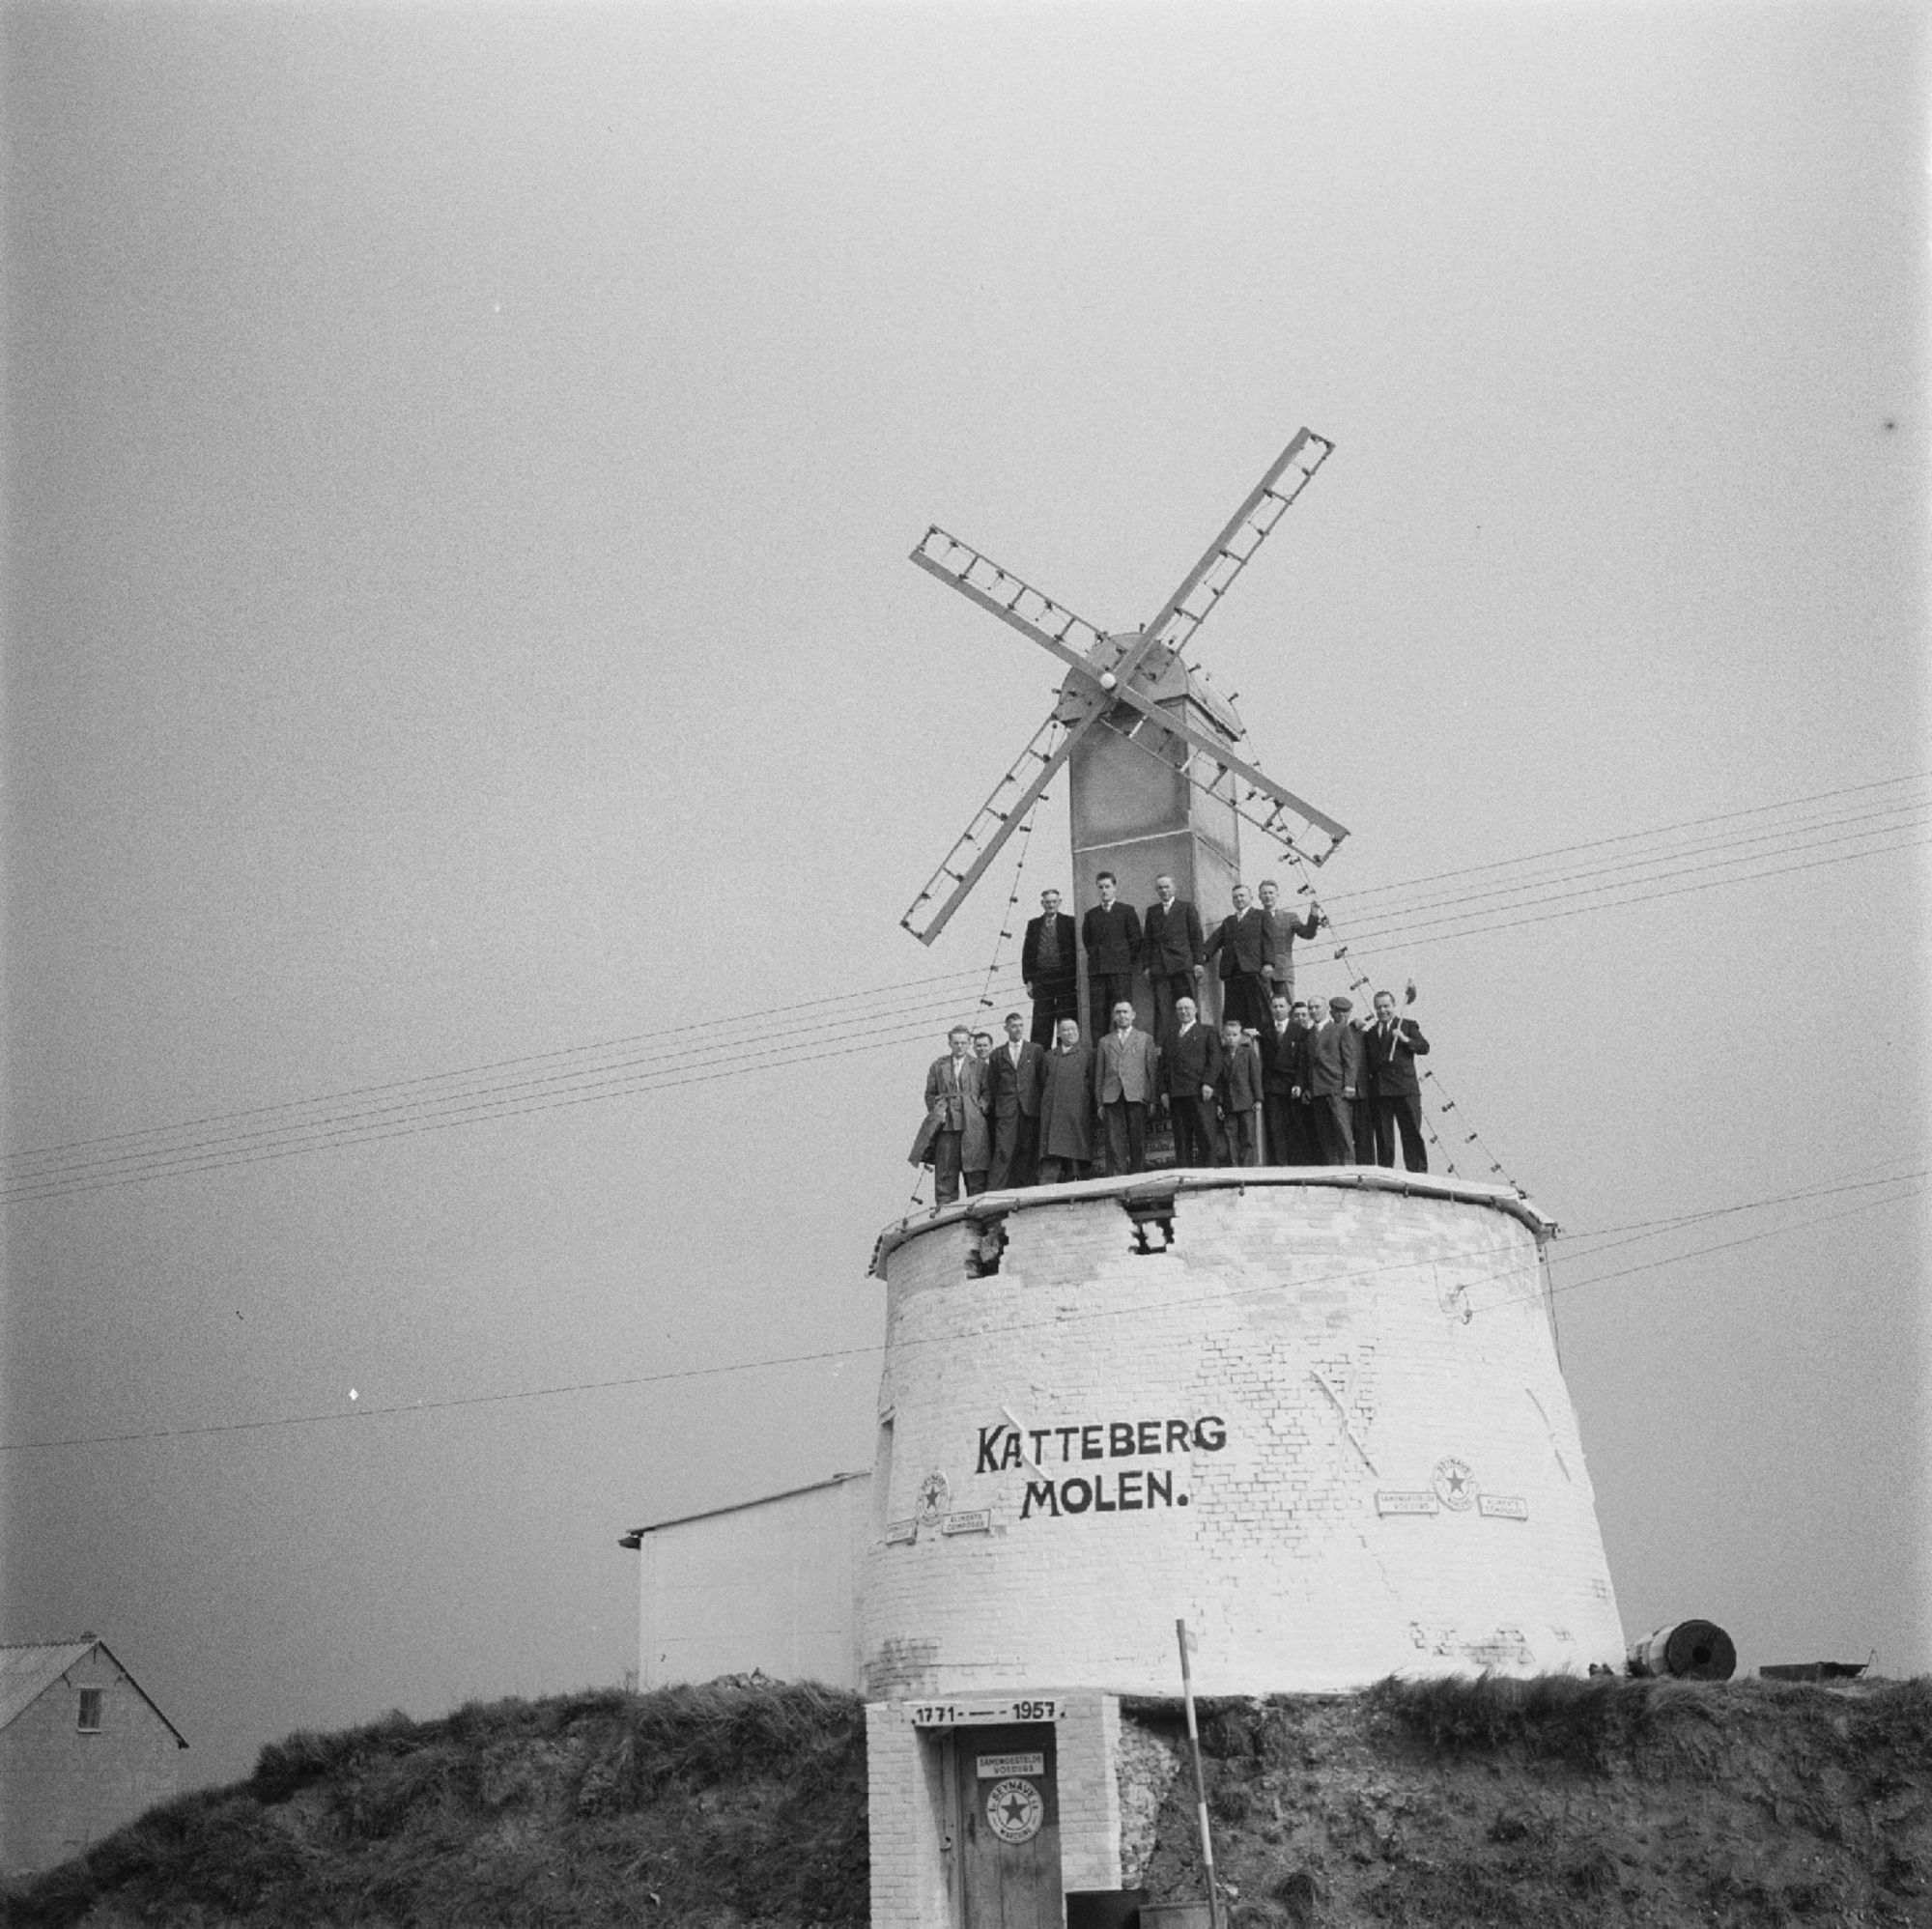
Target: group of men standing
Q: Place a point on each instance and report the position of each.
(1254, 945)
(1293, 1087)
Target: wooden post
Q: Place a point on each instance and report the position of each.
(1200, 1780)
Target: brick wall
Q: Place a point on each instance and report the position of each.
(1327, 1427)
(62, 1790)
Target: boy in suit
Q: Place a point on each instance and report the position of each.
(1240, 1090)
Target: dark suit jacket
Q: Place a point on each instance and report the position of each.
(1069, 962)
(1172, 939)
(1242, 942)
(1192, 1060)
(1286, 1059)
(1282, 929)
(1335, 1061)
(1240, 1085)
(1392, 1060)
(1112, 938)
(1015, 1091)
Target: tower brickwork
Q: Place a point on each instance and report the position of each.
(1317, 1414)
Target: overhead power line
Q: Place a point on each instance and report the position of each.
(456, 1109)
(1056, 1320)
(885, 1017)
(1633, 837)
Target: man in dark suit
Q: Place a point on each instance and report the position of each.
(1111, 932)
(1290, 1138)
(1241, 940)
(1012, 1104)
(1393, 1045)
(1050, 969)
(1282, 929)
(1172, 949)
(1336, 1079)
(1193, 1062)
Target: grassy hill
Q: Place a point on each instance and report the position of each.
(1469, 1805)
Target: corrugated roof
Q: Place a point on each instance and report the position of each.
(29, 1670)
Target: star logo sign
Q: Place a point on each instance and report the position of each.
(1015, 1810)
(1455, 1485)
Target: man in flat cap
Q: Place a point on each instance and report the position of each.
(1335, 1077)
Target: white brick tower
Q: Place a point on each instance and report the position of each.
(1314, 1412)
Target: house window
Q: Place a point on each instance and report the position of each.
(89, 1711)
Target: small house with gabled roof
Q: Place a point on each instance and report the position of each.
(82, 1750)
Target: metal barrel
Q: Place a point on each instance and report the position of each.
(1689, 1650)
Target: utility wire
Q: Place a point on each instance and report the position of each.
(1631, 836)
(1786, 834)
(325, 1137)
(1542, 894)
(643, 1065)
(1512, 1247)
(656, 1036)
(422, 1103)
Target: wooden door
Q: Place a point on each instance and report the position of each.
(1009, 1827)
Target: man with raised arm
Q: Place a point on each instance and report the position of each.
(1394, 1044)
(1282, 927)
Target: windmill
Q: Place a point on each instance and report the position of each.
(1157, 781)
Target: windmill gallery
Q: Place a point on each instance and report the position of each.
(1313, 1409)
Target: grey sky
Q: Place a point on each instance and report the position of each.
(461, 464)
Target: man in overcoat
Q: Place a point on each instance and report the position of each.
(1050, 968)
(1012, 1103)
(1111, 932)
(1126, 1067)
(1282, 927)
(1393, 1045)
(1193, 1062)
(1240, 940)
(1172, 951)
(1066, 1108)
(956, 1120)
(1336, 1078)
